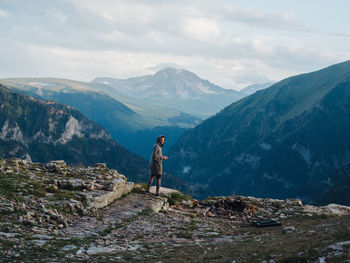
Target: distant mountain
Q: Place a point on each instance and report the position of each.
(176, 88)
(41, 131)
(132, 123)
(255, 87)
(284, 141)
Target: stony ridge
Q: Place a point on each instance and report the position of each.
(31, 188)
(57, 213)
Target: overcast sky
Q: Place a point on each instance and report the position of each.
(231, 43)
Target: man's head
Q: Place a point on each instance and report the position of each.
(160, 140)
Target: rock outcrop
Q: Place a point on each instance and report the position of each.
(52, 194)
(56, 213)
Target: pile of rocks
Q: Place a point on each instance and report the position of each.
(225, 207)
(51, 195)
(245, 208)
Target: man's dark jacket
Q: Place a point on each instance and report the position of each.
(155, 165)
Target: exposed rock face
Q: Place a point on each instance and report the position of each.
(11, 133)
(72, 128)
(60, 127)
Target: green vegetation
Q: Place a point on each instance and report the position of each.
(92, 146)
(109, 229)
(269, 143)
(9, 186)
(185, 234)
(177, 197)
(146, 212)
(131, 123)
(16, 186)
(139, 188)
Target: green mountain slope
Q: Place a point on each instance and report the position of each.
(133, 124)
(285, 141)
(42, 131)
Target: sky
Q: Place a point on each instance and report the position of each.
(232, 43)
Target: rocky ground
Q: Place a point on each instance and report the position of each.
(55, 213)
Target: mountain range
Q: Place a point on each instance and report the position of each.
(42, 131)
(176, 88)
(136, 110)
(132, 123)
(283, 141)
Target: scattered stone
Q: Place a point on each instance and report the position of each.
(100, 165)
(98, 250)
(321, 260)
(69, 247)
(336, 209)
(9, 235)
(38, 242)
(55, 166)
(80, 251)
(339, 246)
(288, 229)
(294, 202)
(42, 236)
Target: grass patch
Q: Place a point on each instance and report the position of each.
(146, 212)
(38, 190)
(139, 188)
(109, 229)
(341, 233)
(177, 197)
(185, 234)
(11, 186)
(61, 194)
(7, 244)
(15, 186)
(294, 259)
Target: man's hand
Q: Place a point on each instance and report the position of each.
(165, 157)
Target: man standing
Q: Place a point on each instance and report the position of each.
(155, 165)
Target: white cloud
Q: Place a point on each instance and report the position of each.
(286, 21)
(2, 13)
(59, 16)
(165, 65)
(119, 12)
(230, 44)
(201, 29)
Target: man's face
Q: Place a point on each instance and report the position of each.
(162, 140)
